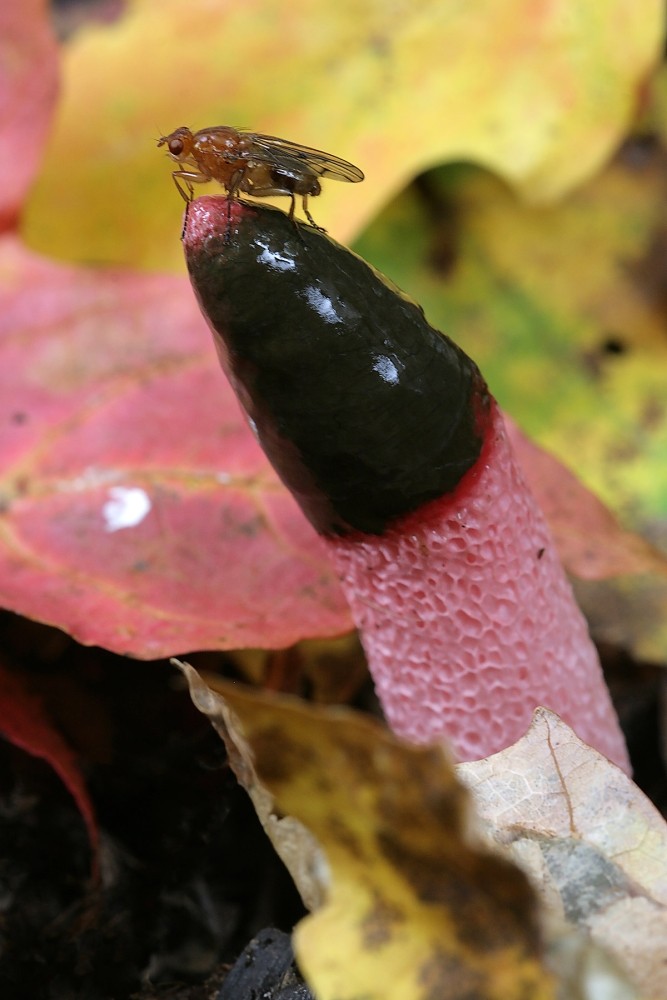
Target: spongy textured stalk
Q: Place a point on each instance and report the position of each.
(469, 622)
(368, 414)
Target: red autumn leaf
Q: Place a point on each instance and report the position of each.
(28, 91)
(24, 723)
(138, 512)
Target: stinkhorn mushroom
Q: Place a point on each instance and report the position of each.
(387, 436)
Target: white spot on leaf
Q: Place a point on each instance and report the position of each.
(126, 508)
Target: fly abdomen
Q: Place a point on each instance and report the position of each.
(306, 184)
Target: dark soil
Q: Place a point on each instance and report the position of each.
(187, 874)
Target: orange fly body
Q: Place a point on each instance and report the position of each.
(251, 163)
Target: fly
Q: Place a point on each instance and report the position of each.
(251, 163)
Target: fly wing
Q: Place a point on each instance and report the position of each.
(295, 160)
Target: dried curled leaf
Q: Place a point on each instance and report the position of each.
(595, 846)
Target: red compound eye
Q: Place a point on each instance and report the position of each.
(175, 147)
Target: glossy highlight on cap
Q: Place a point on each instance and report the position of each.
(365, 411)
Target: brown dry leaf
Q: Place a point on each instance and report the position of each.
(331, 670)
(628, 612)
(414, 908)
(296, 846)
(591, 542)
(335, 669)
(594, 845)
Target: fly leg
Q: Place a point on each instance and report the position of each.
(235, 184)
(311, 220)
(271, 190)
(189, 177)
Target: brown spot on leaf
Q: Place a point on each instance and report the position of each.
(379, 923)
(649, 272)
(489, 896)
(441, 970)
(653, 413)
(278, 759)
(443, 219)
(641, 151)
(344, 837)
(612, 345)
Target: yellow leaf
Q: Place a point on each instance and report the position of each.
(539, 92)
(414, 909)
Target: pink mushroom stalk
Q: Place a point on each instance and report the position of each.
(465, 612)
(387, 436)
